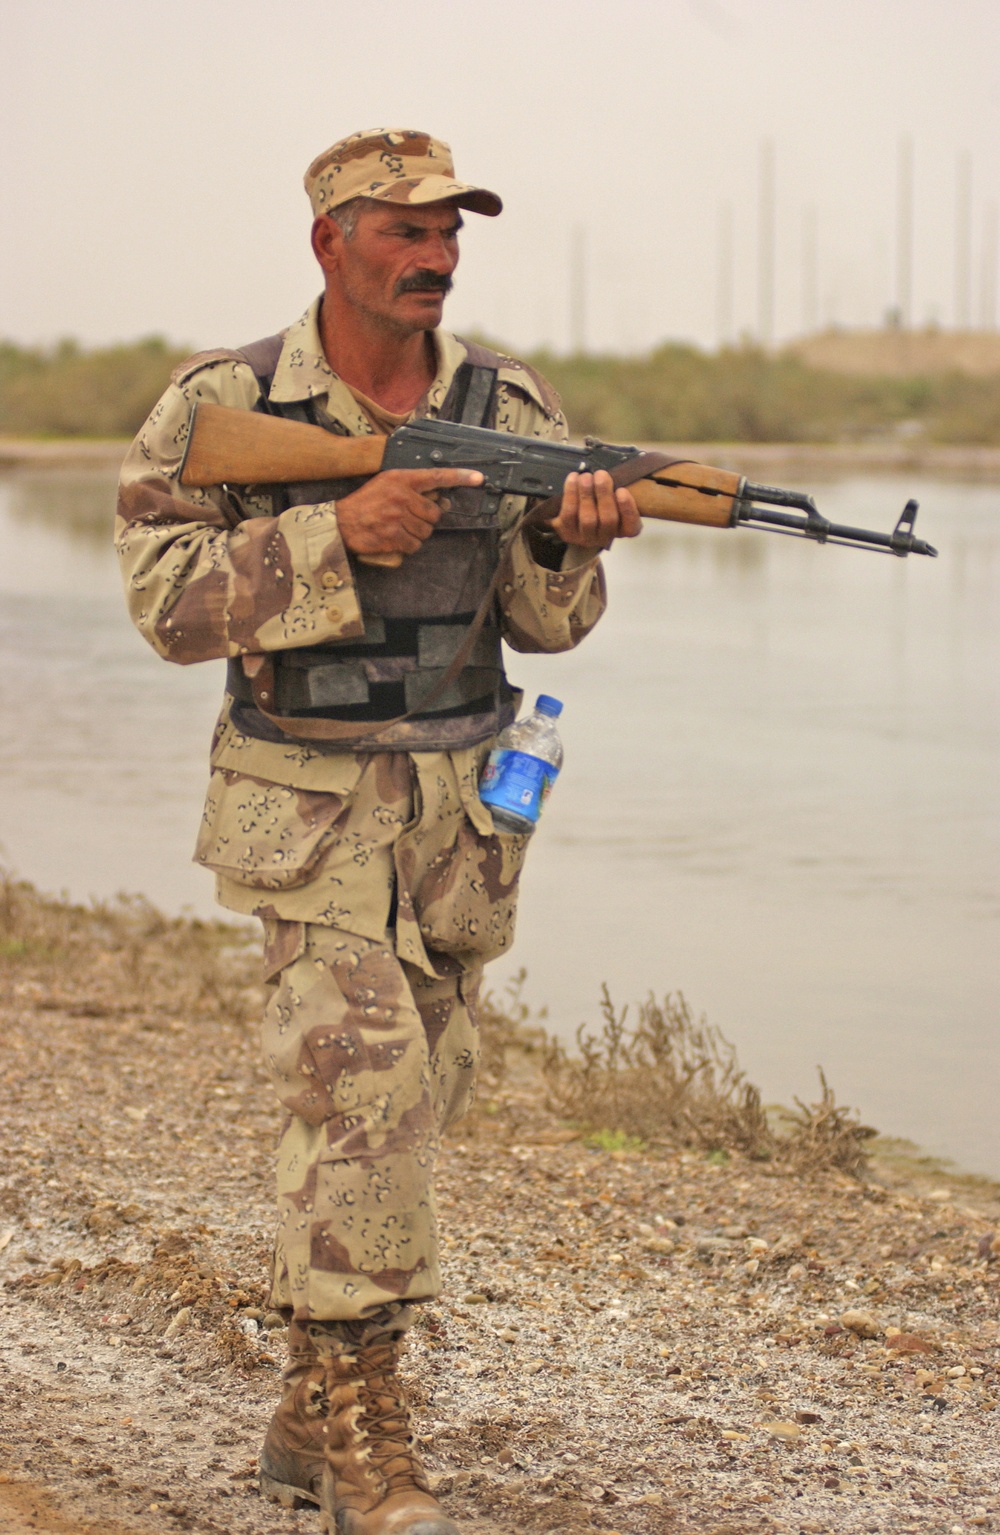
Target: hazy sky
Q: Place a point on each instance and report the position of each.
(152, 155)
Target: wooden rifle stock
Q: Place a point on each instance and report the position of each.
(245, 447)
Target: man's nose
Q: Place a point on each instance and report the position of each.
(439, 254)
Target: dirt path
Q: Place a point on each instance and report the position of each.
(647, 1344)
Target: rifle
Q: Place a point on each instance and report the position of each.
(248, 448)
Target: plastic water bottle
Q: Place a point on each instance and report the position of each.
(522, 768)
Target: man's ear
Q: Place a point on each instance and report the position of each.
(327, 242)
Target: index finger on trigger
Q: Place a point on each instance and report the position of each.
(442, 479)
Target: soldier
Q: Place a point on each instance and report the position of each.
(341, 810)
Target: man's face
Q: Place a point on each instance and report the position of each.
(396, 267)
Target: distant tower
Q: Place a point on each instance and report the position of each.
(988, 273)
(724, 278)
(810, 274)
(963, 243)
(765, 245)
(904, 232)
(578, 292)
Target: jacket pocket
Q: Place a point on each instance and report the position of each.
(467, 900)
(266, 836)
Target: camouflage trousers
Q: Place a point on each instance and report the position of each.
(372, 1059)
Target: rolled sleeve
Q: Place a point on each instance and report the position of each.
(550, 610)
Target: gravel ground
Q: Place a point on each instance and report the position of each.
(632, 1342)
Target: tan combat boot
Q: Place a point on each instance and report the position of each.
(342, 1435)
(293, 1456)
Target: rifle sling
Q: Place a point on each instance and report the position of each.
(259, 668)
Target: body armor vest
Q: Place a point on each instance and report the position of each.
(415, 616)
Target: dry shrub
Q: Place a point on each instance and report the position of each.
(826, 1134)
(504, 1025)
(130, 956)
(669, 1079)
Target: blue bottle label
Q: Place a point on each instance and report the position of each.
(515, 781)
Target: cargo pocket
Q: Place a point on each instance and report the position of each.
(265, 836)
(467, 900)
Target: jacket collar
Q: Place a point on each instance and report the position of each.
(303, 373)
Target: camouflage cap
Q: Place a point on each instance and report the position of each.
(395, 165)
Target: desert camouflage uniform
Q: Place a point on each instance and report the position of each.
(369, 1033)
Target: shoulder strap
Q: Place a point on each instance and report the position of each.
(471, 398)
(262, 356)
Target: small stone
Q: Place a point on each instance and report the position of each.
(733, 1433)
(956, 1371)
(782, 1430)
(734, 1233)
(751, 1266)
(476, 1298)
(862, 1323)
(178, 1322)
(808, 1417)
(797, 1272)
(756, 1245)
(910, 1343)
(533, 1366)
(272, 1320)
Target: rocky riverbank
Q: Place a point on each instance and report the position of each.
(651, 1341)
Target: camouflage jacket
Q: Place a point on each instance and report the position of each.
(300, 833)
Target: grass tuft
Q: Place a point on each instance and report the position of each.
(658, 1076)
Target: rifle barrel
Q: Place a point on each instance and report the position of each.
(818, 528)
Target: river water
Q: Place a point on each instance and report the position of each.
(780, 793)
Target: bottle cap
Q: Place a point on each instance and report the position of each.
(547, 705)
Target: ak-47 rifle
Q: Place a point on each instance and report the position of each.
(247, 448)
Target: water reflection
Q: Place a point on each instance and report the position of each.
(76, 504)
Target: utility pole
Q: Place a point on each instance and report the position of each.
(578, 292)
(988, 274)
(724, 278)
(765, 245)
(810, 274)
(963, 243)
(904, 232)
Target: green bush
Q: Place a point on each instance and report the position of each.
(742, 394)
(675, 393)
(65, 391)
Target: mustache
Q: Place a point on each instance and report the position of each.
(424, 282)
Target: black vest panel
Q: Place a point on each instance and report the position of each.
(415, 616)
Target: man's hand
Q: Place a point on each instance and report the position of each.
(593, 513)
(395, 511)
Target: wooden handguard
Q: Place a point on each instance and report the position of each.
(689, 493)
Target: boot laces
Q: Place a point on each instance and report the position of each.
(385, 1420)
